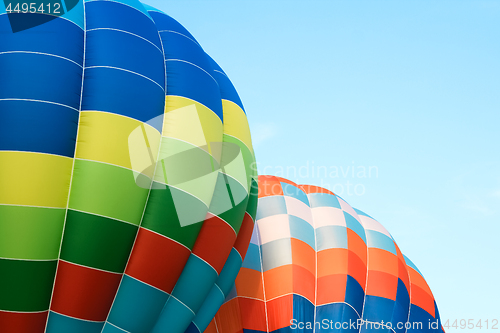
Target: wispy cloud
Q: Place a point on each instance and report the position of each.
(263, 132)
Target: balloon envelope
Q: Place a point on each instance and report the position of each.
(315, 264)
(126, 177)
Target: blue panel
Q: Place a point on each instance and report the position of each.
(381, 241)
(116, 91)
(118, 49)
(333, 316)
(331, 237)
(378, 309)
(192, 329)
(354, 295)
(178, 47)
(252, 259)
(166, 23)
(362, 213)
(420, 319)
(269, 206)
(40, 77)
(123, 18)
(38, 127)
(137, 306)
(294, 192)
(302, 230)
(180, 79)
(355, 226)
(303, 311)
(65, 39)
(61, 324)
(401, 308)
(108, 328)
(195, 283)
(323, 200)
(227, 90)
(231, 268)
(210, 307)
(176, 317)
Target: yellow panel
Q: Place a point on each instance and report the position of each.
(34, 179)
(236, 123)
(118, 140)
(192, 122)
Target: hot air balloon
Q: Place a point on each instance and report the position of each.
(126, 178)
(315, 264)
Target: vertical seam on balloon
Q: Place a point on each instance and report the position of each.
(147, 199)
(262, 269)
(366, 279)
(74, 159)
(316, 266)
(216, 326)
(409, 292)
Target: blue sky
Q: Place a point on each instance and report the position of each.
(408, 88)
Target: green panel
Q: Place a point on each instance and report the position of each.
(30, 232)
(253, 199)
(107, 190)
(97, 242)
(168, 207)
(248, 158)
(26, 285)
(229, 201)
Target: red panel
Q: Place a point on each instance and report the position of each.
(303, 282)
(253, 314)
(211, 327)
(244, 235)
(84, 293)
(422, 299)
(331, 289)
(403, 273)
(157, 260)
(268, 186)
(382, 284)
(280, 312)
(215, 241)
(227, 319)
(13, 322)
(356, 268)
(357, 245)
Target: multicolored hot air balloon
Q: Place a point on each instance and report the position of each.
(315, 264)
(127, 190)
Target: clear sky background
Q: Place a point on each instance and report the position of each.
(408, 88)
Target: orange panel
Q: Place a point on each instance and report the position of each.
(357, 245)
(268, 186)
(331, 289)
(280, 312)
(249, 283)
(253, 314)
(403, 273)
(303, 255)
(303, 282)
(308, 189)
(212, 328)
(278, 281)
(284, 180)
(228, 317)
(383, 261)
(357, 269)
(422, 299)
(417, 279)
(332, 261)
(382, 284)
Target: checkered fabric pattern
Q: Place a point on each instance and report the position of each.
(313, 258)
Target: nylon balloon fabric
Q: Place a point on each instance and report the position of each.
(315, 264)
(127, 187)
